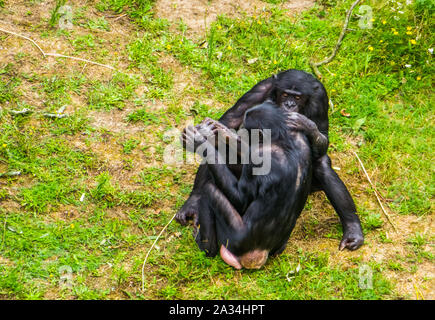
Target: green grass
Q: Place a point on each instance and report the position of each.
(94, 198)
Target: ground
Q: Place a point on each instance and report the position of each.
(94, 189)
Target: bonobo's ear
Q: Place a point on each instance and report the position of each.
(274, 80)
(273, 93)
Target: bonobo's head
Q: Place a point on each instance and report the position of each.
(295, 91)
(267, 116)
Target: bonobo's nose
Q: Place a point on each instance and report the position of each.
(291, 106)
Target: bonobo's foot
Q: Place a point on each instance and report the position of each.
(208, 128)
(193, 137)
(215, 127)
(353, 237)
(189, 211)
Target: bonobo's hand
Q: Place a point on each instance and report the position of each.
(352, 236)
(299, 122)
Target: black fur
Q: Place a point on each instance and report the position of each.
(259, 211)
(292, 90)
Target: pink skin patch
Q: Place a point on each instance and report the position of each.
(230, 258)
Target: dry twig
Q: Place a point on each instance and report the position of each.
(149, 251)
(376, 192)
(10, 174)
(418, 294)
(24, 37)
(315, 65)
(45, 54)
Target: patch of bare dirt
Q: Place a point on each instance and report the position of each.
(298, 5)
(199, 14)
(18, 17)
(114, 121)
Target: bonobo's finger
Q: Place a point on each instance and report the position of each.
(294, 116)
(211, 126)
(215, 125)
(187, 131)
(188, 142)
(208, 121)
(203, 129)
(292, 124)
(183, 139)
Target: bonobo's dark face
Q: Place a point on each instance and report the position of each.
(291, 100)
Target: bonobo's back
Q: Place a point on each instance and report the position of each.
(274, 200)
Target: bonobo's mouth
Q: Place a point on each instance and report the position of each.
(254, 259)
(290, 106)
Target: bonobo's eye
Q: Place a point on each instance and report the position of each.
(298, 97)
(285, 95)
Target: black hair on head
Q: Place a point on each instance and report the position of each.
(267, 116)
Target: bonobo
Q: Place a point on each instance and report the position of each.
(295, 91)
(256, 213)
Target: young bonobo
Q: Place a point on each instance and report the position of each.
(255, 214)
(293, 91)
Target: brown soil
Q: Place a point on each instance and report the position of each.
(199, 14)
(196, 14)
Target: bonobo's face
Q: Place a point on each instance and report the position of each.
(291, 100)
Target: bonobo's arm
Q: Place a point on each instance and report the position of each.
(192, 138)
(259, 93)
(318, 141)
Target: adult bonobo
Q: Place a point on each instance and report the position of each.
(256, 213)
(295, 91)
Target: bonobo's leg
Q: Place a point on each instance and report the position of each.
(342, 202)
(278, 251)
(231, 119)
(195, 140)
(227, 220)
(205, 227)
(213, 202)
(230, 229)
